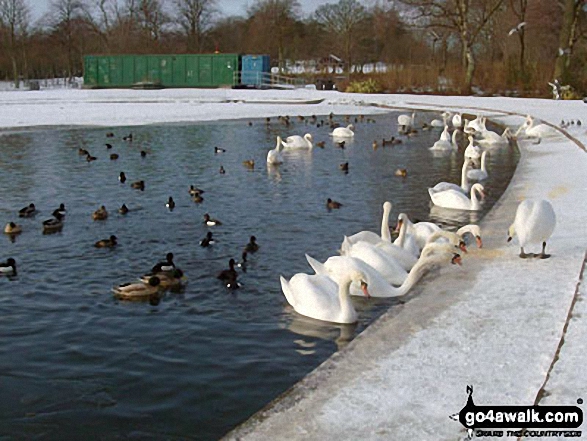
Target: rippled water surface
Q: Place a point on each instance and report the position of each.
(75, 362)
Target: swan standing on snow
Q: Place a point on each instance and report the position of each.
(274, 156)
(463, 188)
(479, 174)
(445, 144)
(492, 139)
(297, 142)
(319, 297)
(343, 132)
(457, 200)
(534, 223)
(337, 267)
(536, 131)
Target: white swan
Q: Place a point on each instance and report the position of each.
(477, 125)
(492, 139)
(479, 174)
(297, 142)
(343, 132)
(371, 237)
(337, 267)
(474, 230)
(536, 131)
(457, 200)
(457, 121)
(463, 188)
(534, 223)
(406, 121)
(274, 156)
(445, 142)
(319, 297)
(440, 123)
(472, 151)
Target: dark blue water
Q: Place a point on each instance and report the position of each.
(77, 363)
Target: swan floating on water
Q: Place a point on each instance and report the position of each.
(457, 200)
(479, 174)
(534, 223)
(446, 144)
(298, 142)
(343, 132)
(274, 156)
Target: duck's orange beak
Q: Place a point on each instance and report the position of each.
(364, 289)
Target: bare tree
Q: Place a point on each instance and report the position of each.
(152, 17)
(342, 20)
(519, 9)
(466, 18)
(65, 15)
(572, 10)
(195, 17)
(14, 21)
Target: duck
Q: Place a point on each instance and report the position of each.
(166, 266)
(128, 137)
(252, 246)
(83, 152)
(321, 298)
(123, 209)
(321, 144)
(243, 262)
(219, 150)
(463, 188)
(457, 200)
(229, 276)
(114, 156)
(138, 185)
(343, 132)
(122, 177)
(100, 213)
(61, 209)
(8, 268)
(375, 145)
(401, 172)
(107, 243)
(340, 144)
(90, 158)
(170, 204)
(211, 222)
(298, 142)
(54, 224)
(109, 135)
(221, 170)
(207, 241)
(197, 198)
(27, 211)
(344, 167)
(172, 279)
(274, 156)
(137, 291)
(330, 204)
(250, 164)
(195, 190)
(479, 174)
(143, 154)
(534, 222)
(108, 146)
(12, 228)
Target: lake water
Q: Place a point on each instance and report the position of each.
(77, 363)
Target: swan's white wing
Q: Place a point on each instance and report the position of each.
(477, 174)
(444, 186)
(388, 267)
(450, 199)
(405, 258)
(365, 236)
(316, 296)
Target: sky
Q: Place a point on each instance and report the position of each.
(227, 7)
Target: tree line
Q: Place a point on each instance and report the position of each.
(428, 44)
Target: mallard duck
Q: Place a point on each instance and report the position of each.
(207, 241)
(250, 164)
(100, 214)
(401, 172)
(107, 243)
(134, 291)
(123, 209)
(173, 279)
(252, 246)
(330, 204)
(12, 228)
(195, 190)
(114, 156)
(165, 266)
(53, 225)
(219, 150)
(229, 276)
(27, 211)
(139, 185)
(170, 204)
(122, 177)
(8, 268)
(211, 222)
(321, 144)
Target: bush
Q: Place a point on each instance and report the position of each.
(368, 86)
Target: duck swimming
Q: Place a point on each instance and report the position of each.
(8, 268)
(137, 291)
(170, 204)
(123, 209)
(27, 211)
(207, 241)
(100, 213)
(12, 228)
(107, 243)
(139, 185)
(165, 266)
(252, 246)
(229, 276)
(174, 279)
(330, 204)
(211, 222)
(61, 210)
(195, 190)
(122, 178)
(53, 225)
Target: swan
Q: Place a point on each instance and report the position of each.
(536, 131)
(337, 266)
(440, 123)
(472, 151)
(457, 121)
(343, 132)
(534, 223)
(422, 231)
(446, 142)
(477, 125)
(297, 142)
(274, 156)
(321, 298)
(474, 230)
(479, 174)
(491, 139)
(406, 121)
(371, 237)
(463, 188)
(457, 200)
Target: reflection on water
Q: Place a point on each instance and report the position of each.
(74, 357)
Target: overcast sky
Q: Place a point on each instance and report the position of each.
(227, 7)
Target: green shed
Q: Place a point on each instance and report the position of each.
(180, 70)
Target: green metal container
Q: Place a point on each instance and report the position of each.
(198, 70)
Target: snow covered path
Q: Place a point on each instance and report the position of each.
(495, 323)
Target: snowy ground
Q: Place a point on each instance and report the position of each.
(496, 323)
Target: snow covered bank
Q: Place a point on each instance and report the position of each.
(496, 323)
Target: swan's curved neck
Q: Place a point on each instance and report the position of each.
(429, 248)
(385, 234)
(464, 177)
(347, 309)
(418, 271)
(402, 233)
(483, 162)
(474, 199)
(454, 139)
